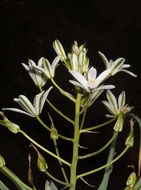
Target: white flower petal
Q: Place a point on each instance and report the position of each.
(121, 100)
(108, 107)
(105, 87)
(103, 76)
(59, 49)
(128, 72)
(44, 97)
(105, 60)
(112, 100)
(92, 73)
(19, 111)
(25, 103)
(37, 102)
(80, 78)
(54, 64)
(78, 85)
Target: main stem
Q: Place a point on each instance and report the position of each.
(75, 144)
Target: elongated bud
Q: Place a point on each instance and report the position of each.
(130, 138)
(131, 180)
(2, 161)
(119, 123)
(54, 133)
(59, 50)
(41, 163)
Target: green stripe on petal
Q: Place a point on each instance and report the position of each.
(121, 100)
(26, 103)
(112, 100)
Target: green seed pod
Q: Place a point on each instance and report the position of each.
(131, 180)
(119, 123)
(130, 138)
(41, 163)
(2, 161)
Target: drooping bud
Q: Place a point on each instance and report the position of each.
(54, 133)
(41, 163)
(130, 138)
(2, 161)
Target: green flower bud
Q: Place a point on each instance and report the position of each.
(131, 180)
(41, 163)
(2, 161)
(130, 138)
(119, 123)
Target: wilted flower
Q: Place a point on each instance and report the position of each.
(46, 68)
(30, 109)
(91, 82)
(37, 76)
(114, 106)
(59, 50)
(13, 127)
(50, 186)
(116, 66)
(2, 161)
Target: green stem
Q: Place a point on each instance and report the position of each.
(60, 113)
(106, 165)
(62, 91)
(84, 116)
(55, 179)
(108, 170)
(45, 126)
(60, 163)
(14, 179)
(103, 148)
(97, 126)
(44, 149)
(75, 144)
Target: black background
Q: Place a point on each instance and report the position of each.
(27, 30)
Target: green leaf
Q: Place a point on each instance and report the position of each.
(3, 186)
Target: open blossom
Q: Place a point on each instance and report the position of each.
(91, 82)
(47, 69)
(116, 66)
(37, 76)
(30, 109)
(114, 106)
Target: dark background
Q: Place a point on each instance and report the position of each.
(27, 30)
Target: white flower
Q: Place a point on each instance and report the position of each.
(91, 82)
(59, 50)
(30, 109)
(47, 69)
(116, 66)
(38, 77)
(114, 106)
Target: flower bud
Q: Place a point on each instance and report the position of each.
(119, 123)
(59, 50)
(131, 180)
(41, 163)
(2, 161)
(53, 132)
